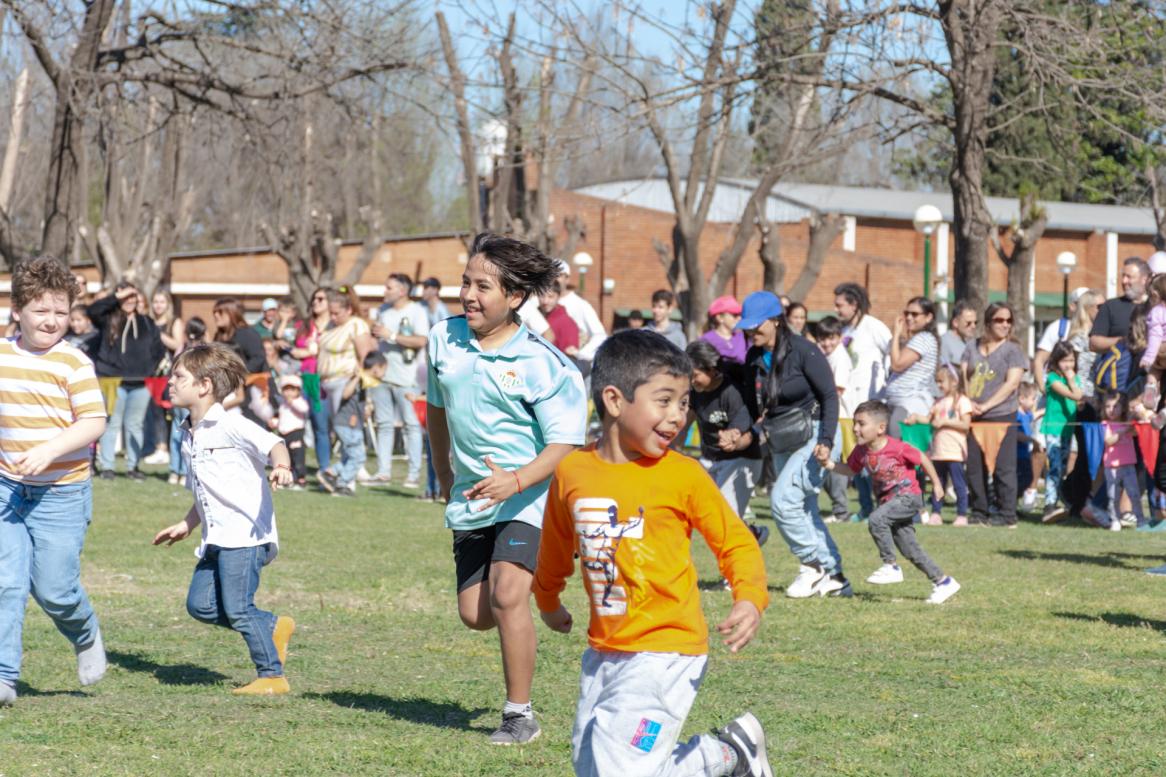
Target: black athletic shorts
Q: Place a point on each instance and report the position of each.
(475, 549)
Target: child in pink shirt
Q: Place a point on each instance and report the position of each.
(1120, 459)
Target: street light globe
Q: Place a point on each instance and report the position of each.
(1066, 261)
(927, 218)
(582, 259)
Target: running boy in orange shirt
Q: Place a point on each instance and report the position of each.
(627, 505)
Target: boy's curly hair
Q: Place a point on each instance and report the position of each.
(43, 274)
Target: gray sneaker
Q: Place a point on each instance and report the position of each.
(746, 736)
(516, 729)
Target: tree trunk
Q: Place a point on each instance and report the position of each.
(465, 135)
(824, 229)
(64, 199)
(1024, 238)
(970, 28)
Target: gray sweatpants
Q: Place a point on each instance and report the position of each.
(630, 712)
(892, 525)
(837, 487)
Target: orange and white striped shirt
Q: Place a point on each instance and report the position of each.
(41, 395)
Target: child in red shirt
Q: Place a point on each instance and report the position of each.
(891, 465)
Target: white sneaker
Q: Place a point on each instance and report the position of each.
(362, 476)
(747, 738)
(159, 456)
(1029, 501)
(803, 585)
(943, 590)
(886, 574)
(173, 479)
(411, 483)
(834, 585)
(1115, 525)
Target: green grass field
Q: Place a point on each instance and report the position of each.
(1050, 661)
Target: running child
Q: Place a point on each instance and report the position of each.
(1062, 393)
(627, 505)
(891, 464)
(53, 412)
(727, 448)
(1120, 459)
(828, 334)
(226, 456)
(950, 419)
(509, 406)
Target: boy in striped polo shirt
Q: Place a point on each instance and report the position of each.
(51, 411)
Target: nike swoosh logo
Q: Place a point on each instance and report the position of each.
(515, 542)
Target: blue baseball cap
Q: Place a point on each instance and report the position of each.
(758, 307)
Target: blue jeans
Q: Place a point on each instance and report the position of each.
(222, 592)
(42, 531)
(1118, 479)
(178, 416)
(1057, 452)
(320, 436)
(389, 407)
(959, 482)
(352, 452)
(129, 415)
(793, 502)
(431, 486)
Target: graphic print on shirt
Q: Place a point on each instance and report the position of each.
(600, 533)
(980, 377)
(889, 477)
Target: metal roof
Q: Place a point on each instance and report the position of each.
(792, 202)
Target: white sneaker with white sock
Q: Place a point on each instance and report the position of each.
(886, 574)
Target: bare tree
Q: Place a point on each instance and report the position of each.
(1157, 207)
(1023, 237)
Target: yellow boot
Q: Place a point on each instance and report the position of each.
(264, 686)
(284, 626)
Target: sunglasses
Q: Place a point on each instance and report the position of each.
(1002, 321)
(912, 313)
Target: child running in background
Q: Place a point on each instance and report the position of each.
(628, 505)
(1120, 459)
(508, 406)
(891, 464)
(1062, 393)
(828, 335)
(226, 457)
(53, 411)
(727, 448)
(950, 419)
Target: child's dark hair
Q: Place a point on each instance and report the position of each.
(704, 356)
(374, 359)
(636, 314)
(1123, 404)
(629, 359)
(874, 409)
(216, 362)
(663, 295)
(1061, 351)
(196, 329)
(827, 326)
(43, 274)
(521, 267)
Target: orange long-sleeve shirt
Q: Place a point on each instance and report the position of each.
(631, 525)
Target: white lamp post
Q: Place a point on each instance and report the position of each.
(1066, 261)
(927, 219)
(583, 261)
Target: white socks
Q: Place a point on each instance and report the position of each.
(7, 693)
(91, 663)
(524, 710)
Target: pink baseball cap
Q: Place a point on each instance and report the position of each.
(725, 304)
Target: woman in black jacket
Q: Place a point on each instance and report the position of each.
(791, 390)
(129, 348)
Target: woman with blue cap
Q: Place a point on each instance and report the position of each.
(790, 388)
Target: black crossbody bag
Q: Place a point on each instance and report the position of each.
(786, 428)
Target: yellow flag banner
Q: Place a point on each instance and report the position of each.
(108, 388)
(989, 436)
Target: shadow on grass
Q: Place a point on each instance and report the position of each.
(415, 710)
(175, 674)
(1125, 620)
(1114, 560)
(24, 689)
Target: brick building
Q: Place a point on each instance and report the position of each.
(879, 248)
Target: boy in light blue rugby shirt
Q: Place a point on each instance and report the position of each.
(510, 407)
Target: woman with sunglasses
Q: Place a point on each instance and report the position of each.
(307, 349)
(914, 359)
(992, 367)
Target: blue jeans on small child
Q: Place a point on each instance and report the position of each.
(352, 452)
(959, 482)
(1057, 451)
(1124, 478)
(222, 593)
(42, 531)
